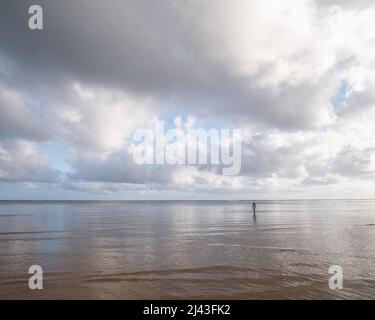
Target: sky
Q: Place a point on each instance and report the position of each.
(297, 77)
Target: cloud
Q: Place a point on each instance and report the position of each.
(354, 162)
(23, 161)
(223, 55)
(99, 119)
(119, 167)
(18, 120)
(101, 69)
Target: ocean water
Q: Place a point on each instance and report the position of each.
(188, 249)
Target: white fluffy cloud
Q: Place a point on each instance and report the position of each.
(101, 120)
(24, 161)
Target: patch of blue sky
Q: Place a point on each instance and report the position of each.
(57, 157)
(341, 94)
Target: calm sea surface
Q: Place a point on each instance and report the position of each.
(188, 249)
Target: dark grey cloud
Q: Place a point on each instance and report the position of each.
(19, 120)
(147, 49)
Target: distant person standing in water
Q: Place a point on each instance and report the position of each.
(254, 206)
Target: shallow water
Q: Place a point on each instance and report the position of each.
(188, 249)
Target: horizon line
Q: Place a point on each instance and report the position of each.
(154, 200)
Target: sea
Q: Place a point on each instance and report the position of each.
(291, 249)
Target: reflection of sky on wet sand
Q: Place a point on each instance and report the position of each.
(188, 249)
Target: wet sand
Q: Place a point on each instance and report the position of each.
(188, 249)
